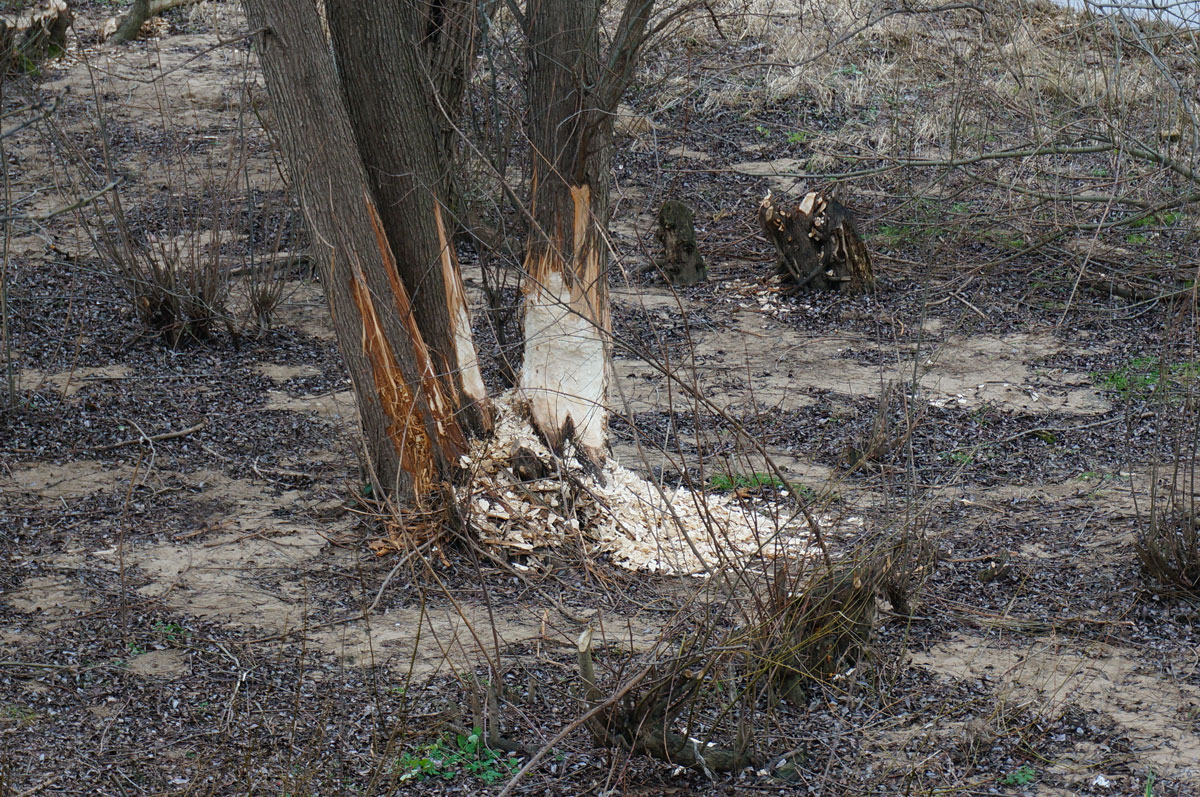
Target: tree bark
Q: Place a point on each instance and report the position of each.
(395, 114)
(682, 263)
(35, 32)
(412, 434)
(131, 23)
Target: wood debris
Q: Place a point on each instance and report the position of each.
(616, 512)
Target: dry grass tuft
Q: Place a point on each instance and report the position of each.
(1169, 550)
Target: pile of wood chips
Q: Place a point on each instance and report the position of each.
(522, 498)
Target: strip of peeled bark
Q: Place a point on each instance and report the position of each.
(411, 432)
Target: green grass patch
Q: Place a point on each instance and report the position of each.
(1143, 374)
(743, 481)
(894, 234)
(1021, 776)
(724, 482)
(1165, 219)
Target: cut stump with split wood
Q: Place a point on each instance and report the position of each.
(681, 262)
(35, 33)
(817, 243)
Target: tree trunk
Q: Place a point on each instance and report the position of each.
(682, 263)
(131, 23)
(412, 433)
(34, 33)
(394, 116)
(571, 98)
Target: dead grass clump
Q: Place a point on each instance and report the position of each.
(1169, 550)
(177, 284)
(820, 624)
(817, 631)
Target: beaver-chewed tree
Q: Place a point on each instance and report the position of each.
(363, 100)
(817, 242)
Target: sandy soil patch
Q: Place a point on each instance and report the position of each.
(1158, 713)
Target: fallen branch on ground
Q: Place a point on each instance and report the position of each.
(155, 438)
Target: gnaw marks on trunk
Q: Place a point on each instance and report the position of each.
(817, 243)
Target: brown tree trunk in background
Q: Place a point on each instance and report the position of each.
(394, 114)
(410, 419)
(572, 94)
(131, 23)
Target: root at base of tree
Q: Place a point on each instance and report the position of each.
(642, 723)
(128, 27)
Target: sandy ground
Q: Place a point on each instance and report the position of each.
(247, 531)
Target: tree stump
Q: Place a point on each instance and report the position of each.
(681, 260)
(35, 33)
(818, 244)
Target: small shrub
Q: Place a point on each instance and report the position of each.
(452, 755)
(1168, 549)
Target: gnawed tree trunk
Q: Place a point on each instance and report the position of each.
(817, 243)
(410, 418)
(394, 116)
(572, 95)
(129, 26)
(35, 32)
(681, 263)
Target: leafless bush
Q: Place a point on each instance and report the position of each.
(891, 427)
(1169, 548)
(178, 284)
(1168, 541)
(178, 252)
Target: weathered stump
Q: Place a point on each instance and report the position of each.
(119, 30)
(35, 33)
(681, 261)
(818, 243)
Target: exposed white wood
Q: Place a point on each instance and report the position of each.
(564, 376)
(460, 319)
